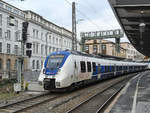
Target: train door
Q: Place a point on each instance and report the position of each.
(76, 66)
(115, 70)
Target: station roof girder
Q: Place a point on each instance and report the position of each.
(130, 15)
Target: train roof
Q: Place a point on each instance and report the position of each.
(107, 57)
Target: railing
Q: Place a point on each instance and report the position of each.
(8, 74)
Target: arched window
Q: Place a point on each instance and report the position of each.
(16, 64)
(37, 64)
(33, 64)
(1, 63)
(8, 64)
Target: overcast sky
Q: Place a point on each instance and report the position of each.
(96, 14)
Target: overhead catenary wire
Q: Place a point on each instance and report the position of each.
(84, 16)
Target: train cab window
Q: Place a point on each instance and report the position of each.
(83, 67)
(99, 68)
(94, 66)
(89, 66)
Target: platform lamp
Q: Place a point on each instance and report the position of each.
(142, 29)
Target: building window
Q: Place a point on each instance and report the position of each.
(50, 38)
(86, 48)
(1, 4)
(53, 49)
(41, 36)
(49, 49)
(103, 49)
(17, 36)
(56, 40)
(16, 11)
(95, 48)
(16, 24)
(8, 64)
(59, 41)
(37, 32)
(42, 49)
(22, 14)
(53, 40)
(8, 8)
(33, 48)
(46, 49)
(0, 19)
(37, 64)
(16, 49)
(16, 64)
(0, 47)
(8, 48)
(33, 64)
(0, 32)
(8, 35)
(8, 21)
(1, 63)
(34, 32)
(64, 42)
(37, 48)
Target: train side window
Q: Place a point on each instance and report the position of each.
(99, 68)
(94, 66)
(89, 66)
(83, 67)
(113, 69)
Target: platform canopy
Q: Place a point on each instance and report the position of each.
(134, 18)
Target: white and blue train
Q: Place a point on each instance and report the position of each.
(66, 69)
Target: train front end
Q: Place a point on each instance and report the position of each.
(52, 69)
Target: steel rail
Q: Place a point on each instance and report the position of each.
(20, 101)
(101, 92)
(109, 99)
(25, 104)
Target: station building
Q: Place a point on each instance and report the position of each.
(107, 47)
(104, 47)
(131, 52)
(44, 35)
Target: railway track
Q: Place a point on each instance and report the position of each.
(25, 104)
(97, 102)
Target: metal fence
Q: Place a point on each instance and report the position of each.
(27, 75)
(8, 74)
(31, 75)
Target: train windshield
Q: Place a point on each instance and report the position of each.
(54, 62)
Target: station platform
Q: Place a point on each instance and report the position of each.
(135, 97)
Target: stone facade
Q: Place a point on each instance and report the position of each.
(8, 65)
(132, 53)
(44, 35)
(104, 47)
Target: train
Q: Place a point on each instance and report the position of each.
(68, 69)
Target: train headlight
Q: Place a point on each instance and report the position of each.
(57, 83)
(59, 70)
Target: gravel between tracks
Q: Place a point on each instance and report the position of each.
(61, 105)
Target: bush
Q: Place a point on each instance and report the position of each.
(6, 82)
